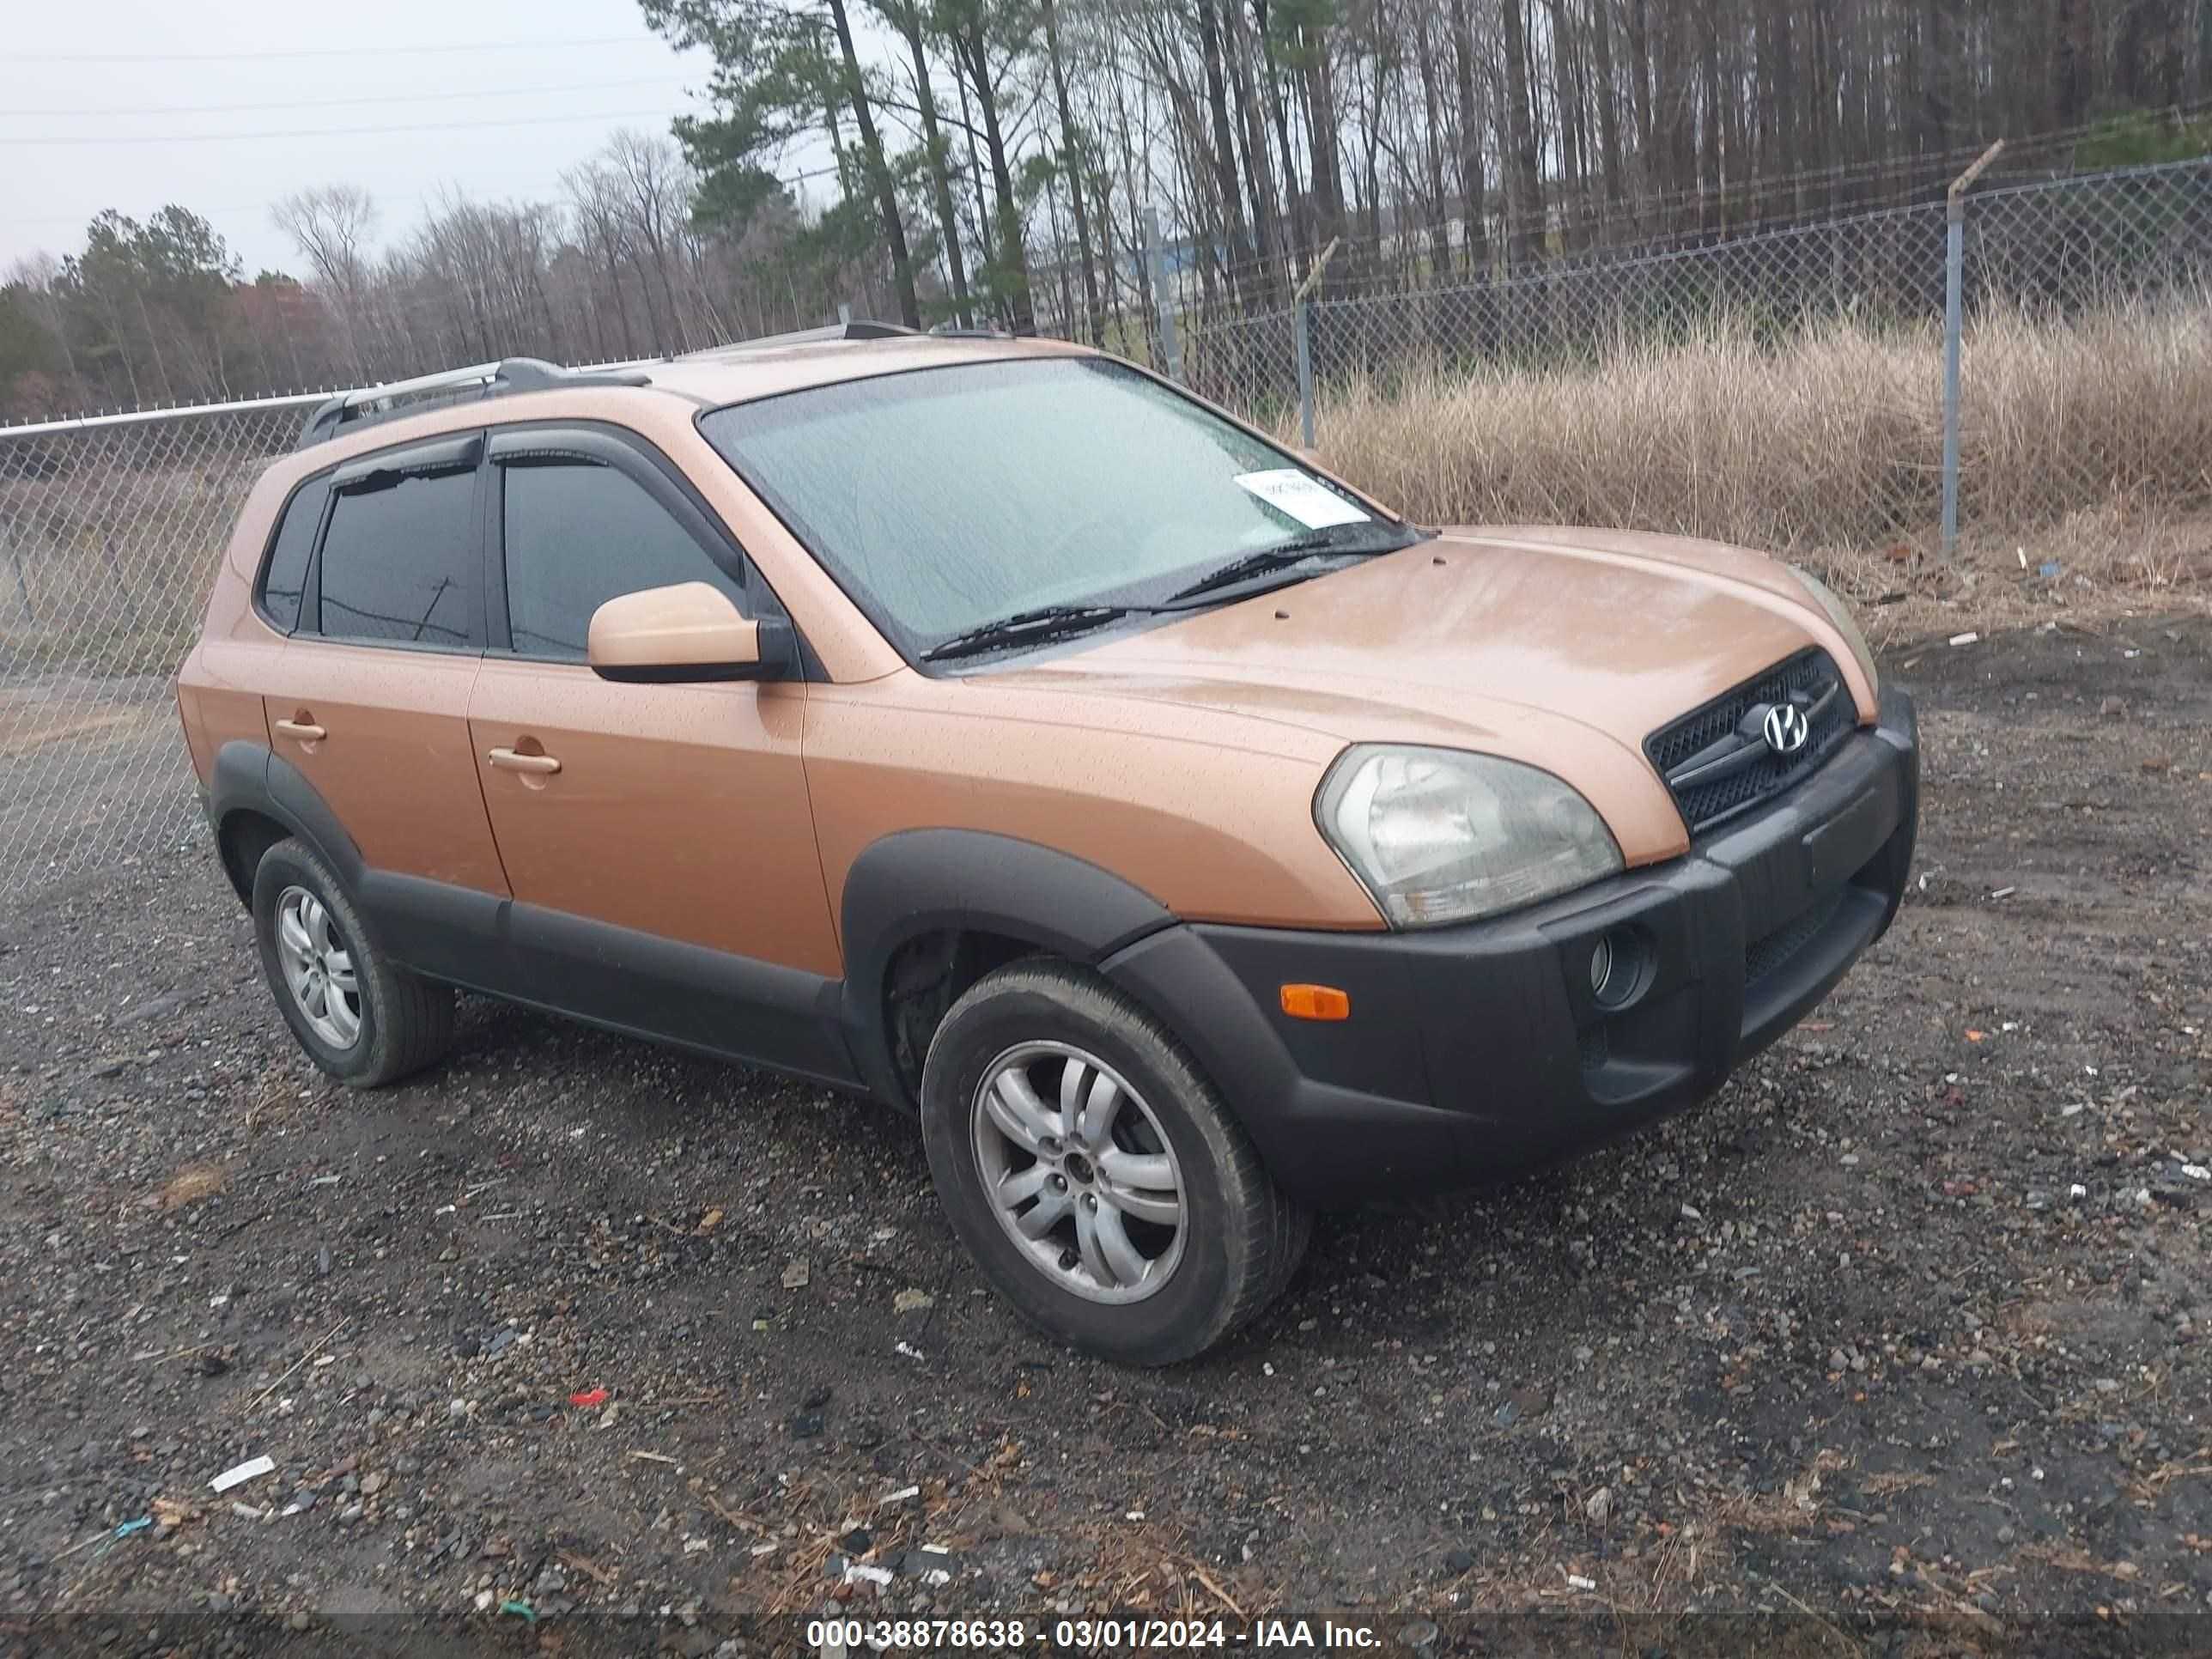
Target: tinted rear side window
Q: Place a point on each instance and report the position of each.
(286, 578)
(400, 563)
(579, 534)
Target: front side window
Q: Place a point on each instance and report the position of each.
(400, 563)
(579, 534)
(945, 500)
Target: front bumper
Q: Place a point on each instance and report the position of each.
(1475, 1051)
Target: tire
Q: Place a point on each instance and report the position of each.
(1236, 1239)
(400, 1024)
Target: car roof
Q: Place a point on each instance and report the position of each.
(739, 374)
(715, 376)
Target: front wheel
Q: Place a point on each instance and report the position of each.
(1095, 1173)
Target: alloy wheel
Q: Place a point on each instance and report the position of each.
(1078, 1172)
(319, 969)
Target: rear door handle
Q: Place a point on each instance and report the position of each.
(305, 731)
(514, 760)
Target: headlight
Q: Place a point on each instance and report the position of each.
(1846, 624)
(1438, 835)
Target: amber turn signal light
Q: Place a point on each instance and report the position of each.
(1316, 1002)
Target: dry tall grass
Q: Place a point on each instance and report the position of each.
(2087, 441)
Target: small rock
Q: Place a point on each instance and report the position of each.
(372, 1483)
(1599, 1509)
(1459, 1561)
(796, 1275)
(912, 1300)
(806, 1426)
(1419, 1634)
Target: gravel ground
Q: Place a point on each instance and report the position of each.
(1905, 1334)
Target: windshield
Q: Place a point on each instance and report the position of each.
(947, 499)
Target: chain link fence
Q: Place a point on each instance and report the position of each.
(1782, 387)
(110, 530)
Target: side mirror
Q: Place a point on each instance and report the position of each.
(687, 632)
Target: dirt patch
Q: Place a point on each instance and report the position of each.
(27, 723)
(1904, 1330)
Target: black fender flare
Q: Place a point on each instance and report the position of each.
(916, 881)
(247, 777)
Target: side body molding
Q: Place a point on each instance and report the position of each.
(923, 881)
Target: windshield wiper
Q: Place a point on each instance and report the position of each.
(1283, 554)
(1047, 622)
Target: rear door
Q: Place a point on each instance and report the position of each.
(658, 837)
(369, 700)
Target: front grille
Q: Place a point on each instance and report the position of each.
(1768, 955)
(1717, 761)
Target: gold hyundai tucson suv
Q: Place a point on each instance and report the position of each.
(993, 728)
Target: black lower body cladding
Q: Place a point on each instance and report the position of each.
(1472, 1052)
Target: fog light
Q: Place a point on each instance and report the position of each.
(1616, 967)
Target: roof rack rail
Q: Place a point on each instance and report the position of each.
(858, 329)
(397, 397)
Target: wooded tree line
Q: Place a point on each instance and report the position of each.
(1008, 149)
(617, 266)
(993, 161)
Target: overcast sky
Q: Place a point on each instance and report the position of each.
(78, 79)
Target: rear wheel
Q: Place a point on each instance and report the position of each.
(360, 1018)
(1094, 1171)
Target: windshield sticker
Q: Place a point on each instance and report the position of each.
(1309, 500)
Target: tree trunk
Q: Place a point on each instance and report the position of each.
(1471, 188)
(940, 177)
(1302, 236)
(1432, 158)
(1259, 176)
(1526, 208)
(1608, 105)
(1072, 165)
(1013, 258)
(879, 172)
(1224, 158)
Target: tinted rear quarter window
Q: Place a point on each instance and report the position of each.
(286, 576)
(400, 564)
(579, 534)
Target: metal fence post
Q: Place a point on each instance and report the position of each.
(1302, 344)
(1955, 328)
(1954, 306)
(1156, 256)
(1302, 339)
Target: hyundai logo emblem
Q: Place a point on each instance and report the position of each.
(1786, 728)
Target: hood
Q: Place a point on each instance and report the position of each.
(1562, 649)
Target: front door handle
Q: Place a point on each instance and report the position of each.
(305, 731)
(513, 760)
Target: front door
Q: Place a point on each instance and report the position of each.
(658, 838)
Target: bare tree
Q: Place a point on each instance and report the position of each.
(333, 226)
